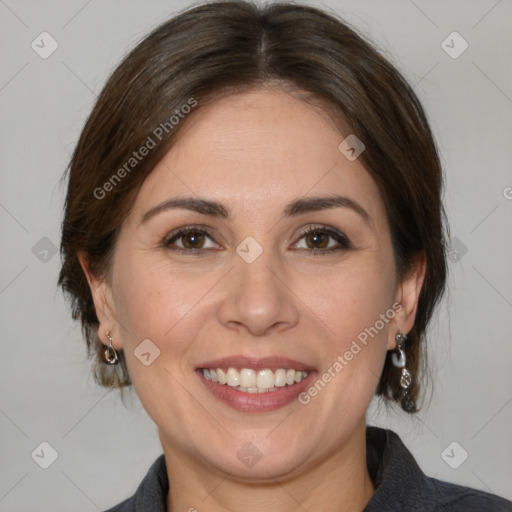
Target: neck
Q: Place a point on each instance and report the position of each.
(338, 482)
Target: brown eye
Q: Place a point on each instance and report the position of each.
(322, 240)
(317, 240)
(193, 240)
(190, 240)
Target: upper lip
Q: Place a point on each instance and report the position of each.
(256, 363)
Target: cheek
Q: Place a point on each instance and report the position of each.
(153, 302)
(356, 310)
(156, 303)
(170, 306)
(349, 302)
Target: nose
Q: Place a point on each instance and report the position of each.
(258, 298)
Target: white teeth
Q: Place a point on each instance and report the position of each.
(250, 381)
(265, 379)
(280, 378)
(220, 375)
(247, 378)
(233, 377)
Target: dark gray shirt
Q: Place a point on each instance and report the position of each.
(400, 485)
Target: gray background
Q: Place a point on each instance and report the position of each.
(104, 448)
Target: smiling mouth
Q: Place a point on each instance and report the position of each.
(247, 380)
(255, 384)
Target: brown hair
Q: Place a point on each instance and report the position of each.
(234, 45)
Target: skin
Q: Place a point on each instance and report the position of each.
(256, 152)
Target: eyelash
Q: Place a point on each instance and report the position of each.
(339, 237)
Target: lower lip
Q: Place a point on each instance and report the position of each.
(256, 402)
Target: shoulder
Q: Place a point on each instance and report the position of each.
(401, 485)
(450, 497)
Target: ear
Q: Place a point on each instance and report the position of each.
(103, 303)
(407, 295)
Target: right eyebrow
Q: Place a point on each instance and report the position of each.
(202, 206)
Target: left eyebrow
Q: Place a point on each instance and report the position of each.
(297, 207)
(313, 204)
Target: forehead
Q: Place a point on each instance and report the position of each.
(259, 149)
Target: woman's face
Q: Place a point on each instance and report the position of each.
(286, 263)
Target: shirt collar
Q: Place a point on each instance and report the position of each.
(397, 478)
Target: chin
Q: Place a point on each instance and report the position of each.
(257, 461)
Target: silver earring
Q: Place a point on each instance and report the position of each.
(110, 353)
(399, 360)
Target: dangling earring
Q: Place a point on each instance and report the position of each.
(399, 360)
(110, 353)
